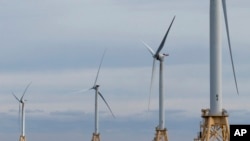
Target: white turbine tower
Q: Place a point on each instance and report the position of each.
(22, 112)
(215, 126)
(161, 132)
(215, 55)
(96, 134)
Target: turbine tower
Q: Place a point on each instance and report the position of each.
(96, 134)
(22, 112)
(215, 120)
(161, 132)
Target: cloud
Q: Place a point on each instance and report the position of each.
(58, 45)
(177, 122)
(52, 91)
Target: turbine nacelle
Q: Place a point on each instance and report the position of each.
(165, 54)
(95, 87)
(160, 57)
(24, 101)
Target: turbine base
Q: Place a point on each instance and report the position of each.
(161, 135)
(214, 127)
(22, 138)
(95, 137)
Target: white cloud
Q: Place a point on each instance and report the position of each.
(57, 44)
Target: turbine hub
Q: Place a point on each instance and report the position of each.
(160, 57)
(96, 86)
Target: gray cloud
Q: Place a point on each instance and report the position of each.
(58, 45)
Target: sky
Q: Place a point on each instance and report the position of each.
(57, 45)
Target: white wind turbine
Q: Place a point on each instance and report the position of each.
(160, 57)
(215, 55)
(215, 119)
(96, 136)
(22, 112)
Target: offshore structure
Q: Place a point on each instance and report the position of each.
(161, 131)
(22, 112)
(215, 125)
(96, 134)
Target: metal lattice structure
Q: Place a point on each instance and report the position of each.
(215, 128)
(161, 135)
(95, 137)
(22, 138)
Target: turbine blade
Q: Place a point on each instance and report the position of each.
(164, 39)
(149, 48)
(99, 67)
(151, 83)
(229, 43)
(106, 104)
(15, 97)
(25, 91)
(82, 90)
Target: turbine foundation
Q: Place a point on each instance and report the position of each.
(95, 137)
(22, 138)
(161, 135)
(214, 127)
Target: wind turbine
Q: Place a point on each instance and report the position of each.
(215, 118)
(160, 130)
(22, 112)
(96, 135)
(215, 55)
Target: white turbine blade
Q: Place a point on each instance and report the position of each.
(229, 43)
(164, 38)
(106, 104)
(15, 97)
(19, 110)
(151, 83)
(99, 67)
(25, 90)
(82, 90)
(149, 48)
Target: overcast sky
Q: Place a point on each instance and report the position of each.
(57, 45)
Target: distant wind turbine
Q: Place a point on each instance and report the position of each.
(161, 131)
(22, 112)
(96, 136)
